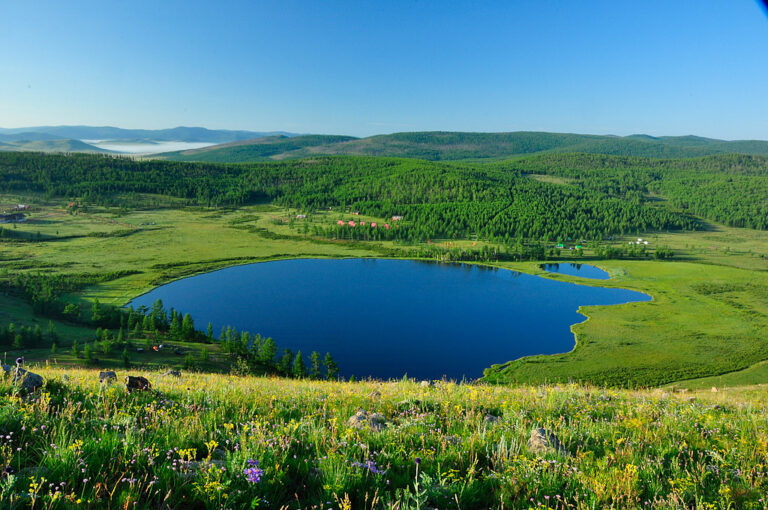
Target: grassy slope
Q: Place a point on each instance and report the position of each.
(686, 332)
(188, 445)
(259, 149)
(683, 333)
(457, 146)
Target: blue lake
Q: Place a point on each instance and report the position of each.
(576, 269)
(387, 318)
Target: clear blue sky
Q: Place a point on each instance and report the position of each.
(364, 67)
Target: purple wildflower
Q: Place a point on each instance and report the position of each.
(370, 466)
(252, 472)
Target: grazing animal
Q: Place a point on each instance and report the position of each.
(137, 384)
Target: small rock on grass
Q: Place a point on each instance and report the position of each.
(543, 441)
(362, 419)
(107, 376)
(26, 380)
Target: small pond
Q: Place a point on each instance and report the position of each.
(576, 269)
(387, 318)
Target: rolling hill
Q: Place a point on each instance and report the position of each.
(66, 145)
(259, 149)
(438, 145)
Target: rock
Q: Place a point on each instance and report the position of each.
(543, 441)
(362, 419)
(107, 376)
(426, 384)
(137, 384)
(174, 373)
(714, 389)
(490, 419)
(28, 381)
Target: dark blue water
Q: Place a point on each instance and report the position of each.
(575, 269)
(387, 318)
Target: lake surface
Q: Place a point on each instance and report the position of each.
(387, 318)
(575, 269)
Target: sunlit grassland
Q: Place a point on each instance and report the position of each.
(76, 442)
(708, 315)
(703, 320)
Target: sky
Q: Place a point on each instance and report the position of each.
(362, 67)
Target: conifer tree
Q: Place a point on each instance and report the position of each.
(187, 327)
(315, 369)
(267, 352)
(331, 368)
(299, 369)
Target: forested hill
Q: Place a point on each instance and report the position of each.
(581, 196)
(438, 146)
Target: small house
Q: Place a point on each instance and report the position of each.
(397, 218)
(301, 216)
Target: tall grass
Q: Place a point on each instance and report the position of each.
(216, 441)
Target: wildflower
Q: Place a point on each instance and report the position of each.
(253, 473)
(418, 460)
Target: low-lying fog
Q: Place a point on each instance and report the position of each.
(146, 147)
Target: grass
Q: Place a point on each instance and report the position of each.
(190, 444)
(687, 331)
(707, 317)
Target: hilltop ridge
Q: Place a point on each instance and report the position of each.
(444, 145)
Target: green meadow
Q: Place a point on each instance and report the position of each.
(707, 317)
(222, 441)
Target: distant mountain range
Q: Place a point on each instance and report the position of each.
(177, 134)
(82, 138)
(438, 145)
(229, 146)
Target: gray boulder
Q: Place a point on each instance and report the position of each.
(107, 376)
(174, 373)
(543, 441)
(26, 380)
(490, 419)
(363, 419)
